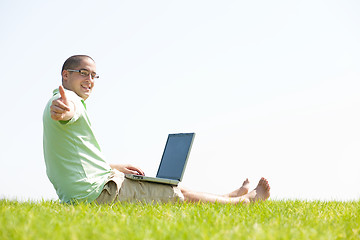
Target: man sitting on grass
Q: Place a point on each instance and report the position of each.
(75, 164)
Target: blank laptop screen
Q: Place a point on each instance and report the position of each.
(175, 156)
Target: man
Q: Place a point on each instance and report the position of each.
(74, 161)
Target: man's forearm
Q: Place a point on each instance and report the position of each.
(127, 169)
(113, 166)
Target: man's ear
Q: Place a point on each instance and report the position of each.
(65, 75)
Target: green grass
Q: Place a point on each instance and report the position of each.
(267, 220)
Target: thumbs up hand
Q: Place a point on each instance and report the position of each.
(61, 108)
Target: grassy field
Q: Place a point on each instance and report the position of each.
(267, 220)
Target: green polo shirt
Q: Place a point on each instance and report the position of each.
(74, 161)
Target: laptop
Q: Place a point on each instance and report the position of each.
(173, 161)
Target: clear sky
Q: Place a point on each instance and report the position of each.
(271, 88)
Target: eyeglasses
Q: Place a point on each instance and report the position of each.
(84, 73)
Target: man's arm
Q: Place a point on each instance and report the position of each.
(127, 169)
(62, 109)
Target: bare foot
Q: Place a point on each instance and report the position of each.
(244, 189)
(260, 193)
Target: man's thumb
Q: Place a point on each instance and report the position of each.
(62, 92)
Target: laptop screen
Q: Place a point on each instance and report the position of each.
(176, 153)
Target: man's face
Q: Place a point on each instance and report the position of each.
(77, 82)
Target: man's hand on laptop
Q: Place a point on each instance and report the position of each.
(127, 169)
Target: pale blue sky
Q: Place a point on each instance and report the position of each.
(271, 89)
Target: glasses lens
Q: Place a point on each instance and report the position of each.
(84, 73)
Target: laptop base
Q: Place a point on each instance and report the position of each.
(152, 179)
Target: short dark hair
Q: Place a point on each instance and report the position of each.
(74, 61)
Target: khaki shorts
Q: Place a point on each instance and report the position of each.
(120, 189)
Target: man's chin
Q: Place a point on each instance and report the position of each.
(84, 95)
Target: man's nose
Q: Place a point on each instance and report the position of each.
(89, 77)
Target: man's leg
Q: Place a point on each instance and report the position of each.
(260, 193)
(244, 189)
